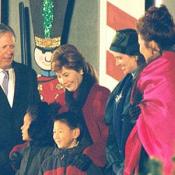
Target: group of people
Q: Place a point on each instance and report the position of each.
(140, 110)
(79, 148)
(93, 131)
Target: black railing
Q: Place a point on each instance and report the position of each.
(24, 34)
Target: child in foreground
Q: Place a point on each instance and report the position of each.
(67, 156)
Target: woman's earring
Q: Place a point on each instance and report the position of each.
(137, 58)
(81, 72)
(75, 142)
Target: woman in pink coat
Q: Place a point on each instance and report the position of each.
(154, 131)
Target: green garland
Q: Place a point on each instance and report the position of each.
(155, 167)
(47, 13)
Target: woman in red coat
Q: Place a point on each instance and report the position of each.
(155, 128)
(83, 96)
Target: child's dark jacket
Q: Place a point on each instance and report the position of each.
(60, 163)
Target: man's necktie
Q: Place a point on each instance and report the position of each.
(5, 82)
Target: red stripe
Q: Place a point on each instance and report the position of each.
(118, 19)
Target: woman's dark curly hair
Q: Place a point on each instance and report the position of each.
(157, 24)
(41, 127)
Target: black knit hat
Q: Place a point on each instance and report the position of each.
(126, 42)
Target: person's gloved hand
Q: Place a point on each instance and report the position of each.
(134, 112)
(81, 161)
(15, 160)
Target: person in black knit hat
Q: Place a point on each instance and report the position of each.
(125, 49)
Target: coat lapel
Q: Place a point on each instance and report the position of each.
(3, 99)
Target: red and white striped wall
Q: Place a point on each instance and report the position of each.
(115, 14)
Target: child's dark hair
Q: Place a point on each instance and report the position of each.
(71, 120)
(40, 130)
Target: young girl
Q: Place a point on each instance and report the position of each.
(37, 133)
(66, 158)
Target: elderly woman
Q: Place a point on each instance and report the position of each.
(125, 49)
(155, 128)
(85, 97)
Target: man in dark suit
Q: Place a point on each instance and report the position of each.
(21, 91)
